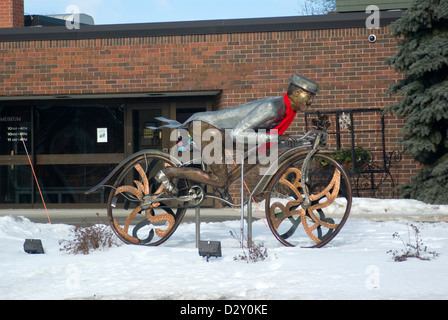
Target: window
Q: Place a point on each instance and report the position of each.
(86, 129)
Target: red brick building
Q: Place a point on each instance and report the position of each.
(61, 87)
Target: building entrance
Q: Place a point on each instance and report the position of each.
(70, 145)
(74, 144)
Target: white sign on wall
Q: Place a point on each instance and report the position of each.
(101, 135)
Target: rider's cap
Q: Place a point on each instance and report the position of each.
(305, 83)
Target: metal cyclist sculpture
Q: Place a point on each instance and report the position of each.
(307, 194)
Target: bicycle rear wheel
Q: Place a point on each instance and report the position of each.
(330, 193)
(132, 220)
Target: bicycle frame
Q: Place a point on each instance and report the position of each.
(313, 138)
(279, 182)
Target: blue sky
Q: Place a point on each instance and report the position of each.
(133, 11)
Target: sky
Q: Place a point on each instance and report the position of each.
(146, 11)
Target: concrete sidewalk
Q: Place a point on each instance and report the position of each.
(92, 216)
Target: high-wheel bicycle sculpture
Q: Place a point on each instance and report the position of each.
(307, 200)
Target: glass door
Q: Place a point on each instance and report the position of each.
(140, 132)
(145, 136)
(141, 118)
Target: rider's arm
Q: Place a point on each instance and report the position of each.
(264, 116)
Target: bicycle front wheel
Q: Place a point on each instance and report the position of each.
(329, 190)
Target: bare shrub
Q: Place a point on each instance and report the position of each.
(252, 252)
(417, 250)
(90, 238)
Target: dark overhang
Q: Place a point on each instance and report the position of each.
(330, 21)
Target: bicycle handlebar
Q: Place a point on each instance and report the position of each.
(314, 138)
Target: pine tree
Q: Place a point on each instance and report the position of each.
(422, 59)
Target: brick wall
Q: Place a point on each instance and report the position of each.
(245, 66)
(11, 13)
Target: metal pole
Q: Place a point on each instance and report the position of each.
(249, 223)
(35, 178)
(242, 199)
(198, 226)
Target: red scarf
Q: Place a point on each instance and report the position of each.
(289, 117)
(282, 126)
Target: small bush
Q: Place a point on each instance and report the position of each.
(252, 253)
(417, 250)
(345, 157)
(91, 238)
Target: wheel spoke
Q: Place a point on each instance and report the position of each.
(136, 184)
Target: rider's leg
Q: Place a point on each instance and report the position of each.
(197, 175)
(217, 176)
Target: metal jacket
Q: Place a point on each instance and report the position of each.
(242, 121)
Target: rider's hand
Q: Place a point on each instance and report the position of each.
(289, 141)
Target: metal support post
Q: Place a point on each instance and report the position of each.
(198, 225)
(249, 222)
(242, 199)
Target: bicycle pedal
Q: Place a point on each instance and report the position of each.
(197, 195)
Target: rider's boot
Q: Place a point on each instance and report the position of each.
(163, 179)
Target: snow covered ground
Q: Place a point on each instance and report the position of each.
(355, 265)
